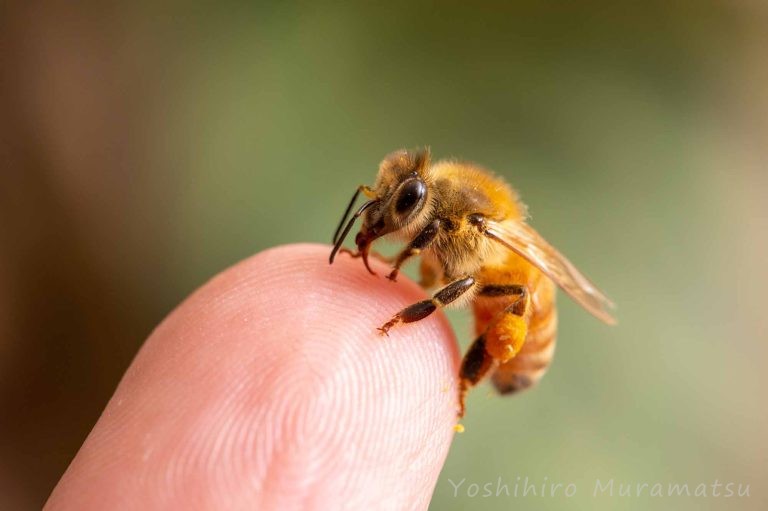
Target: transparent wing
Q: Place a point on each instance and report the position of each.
(526, 242)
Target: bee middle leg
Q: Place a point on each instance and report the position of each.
(421, 310)
(428, 275)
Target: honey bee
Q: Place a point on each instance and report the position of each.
(469, 228)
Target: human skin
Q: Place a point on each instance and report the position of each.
(270, 388)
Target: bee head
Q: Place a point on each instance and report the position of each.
(401, 195)
(399, 201)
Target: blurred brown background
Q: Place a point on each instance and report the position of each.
(145, 146)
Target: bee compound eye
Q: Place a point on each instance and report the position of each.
(411, 193)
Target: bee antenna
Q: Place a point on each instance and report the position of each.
(340, 239)
(346, 214)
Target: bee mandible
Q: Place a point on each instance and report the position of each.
(469, 229)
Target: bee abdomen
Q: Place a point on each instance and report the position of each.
(534, 358)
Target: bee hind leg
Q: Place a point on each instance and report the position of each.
(421, 310)
(475, 365)
(501, 341)
(507, 332)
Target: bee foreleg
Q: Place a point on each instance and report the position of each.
(356, 254)
(421, 310)
(419, 243)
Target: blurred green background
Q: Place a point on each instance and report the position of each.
(146, 146)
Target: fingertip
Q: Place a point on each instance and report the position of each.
(271, 386)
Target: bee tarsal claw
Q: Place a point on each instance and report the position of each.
(386, 327)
